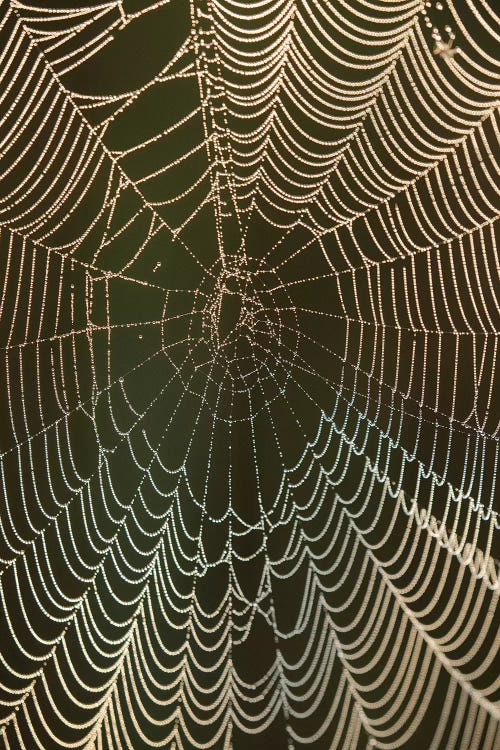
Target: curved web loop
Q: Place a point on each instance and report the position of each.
(248, 322)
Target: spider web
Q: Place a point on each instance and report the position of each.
(248, 316)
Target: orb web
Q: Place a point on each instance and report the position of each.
(249, 329)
